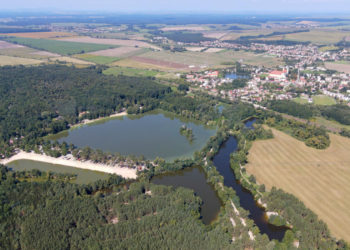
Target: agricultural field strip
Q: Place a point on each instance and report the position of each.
(316, 177)
(118, 42)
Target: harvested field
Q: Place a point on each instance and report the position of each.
(118, 42)
(11, 60)
(58, 46)
(215, 34)
(161, 63)
(116, 52)
(318, 36)
(341, 67)
(195, 49)
(6, 45)
(320, 178)
(213, 59)
(130, 63)
(67, 59)
(213, 50)
(42, 34)
(179, 28)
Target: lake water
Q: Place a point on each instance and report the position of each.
(150, 135)
(234, 76)
(83, 176)
(195, 179)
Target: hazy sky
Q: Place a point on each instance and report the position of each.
(283, 6)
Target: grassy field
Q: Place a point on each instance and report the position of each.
(213, 59)
(11, 60)
(323, 100)
(321, 37)
(317, 100)
(341, 66)
(320, 178)
(300, 100)
(131, 72)
(60, 47)
(328, 123)
(97, 59)
(41, 34)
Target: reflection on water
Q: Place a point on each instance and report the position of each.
(195, 179)
(152, 135)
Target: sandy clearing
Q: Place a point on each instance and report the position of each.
(7, 45)
(214, 50)
(116, 52)
(87, 121)
(120, 42)
(319, 178)
(195, 49)
(124, 172)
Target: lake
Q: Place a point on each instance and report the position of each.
(153, 135)
(195, 179)
(234, 76)
(83, 176)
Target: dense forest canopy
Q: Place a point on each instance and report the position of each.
(60, 215)
(39, 100)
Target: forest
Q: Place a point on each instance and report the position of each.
(37, 101)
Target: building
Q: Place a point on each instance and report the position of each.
(278, 75)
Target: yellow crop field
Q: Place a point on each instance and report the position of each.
(319, 178)
(11, 60)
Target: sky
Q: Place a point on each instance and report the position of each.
(176, 6)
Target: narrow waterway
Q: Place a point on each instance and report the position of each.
(222, 163)
(194, 178)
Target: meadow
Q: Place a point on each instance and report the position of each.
(319, 178)
(317, 100)
(60, 47)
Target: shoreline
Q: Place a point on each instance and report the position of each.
(87, 121)
(126, 173)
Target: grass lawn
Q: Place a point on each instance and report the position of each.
(320, 178)
(301, 100)
(323, 100)
(56, 46)
(97, 59)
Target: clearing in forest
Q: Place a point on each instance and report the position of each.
(319, 178)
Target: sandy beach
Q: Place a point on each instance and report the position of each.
(87, 121)
(124, 172)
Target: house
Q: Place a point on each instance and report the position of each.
(278, 75)
(213, 74)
